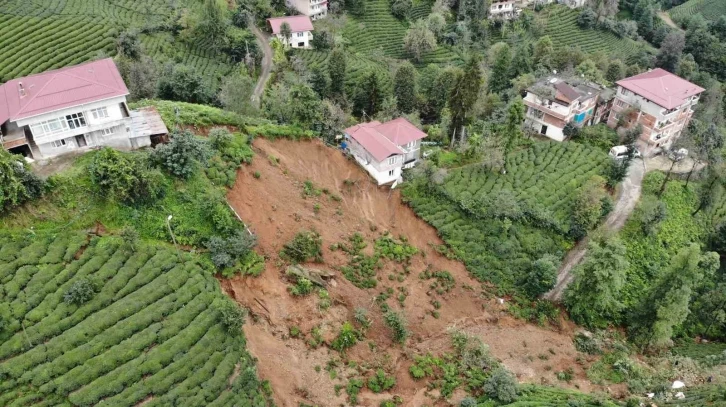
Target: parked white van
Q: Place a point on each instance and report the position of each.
(621, 152)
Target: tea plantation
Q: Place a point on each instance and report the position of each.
(148, 327)
(539, 186)
(47, 34)
(709, 9)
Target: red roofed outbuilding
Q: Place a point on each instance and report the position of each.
(385, 149)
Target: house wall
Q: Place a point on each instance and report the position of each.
(545, 105)
(383, 172)
(500, 9)
(298, 38)
(660, 126)
(314, 9)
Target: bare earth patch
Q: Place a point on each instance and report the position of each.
(275, 209)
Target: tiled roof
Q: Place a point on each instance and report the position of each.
(59, 89)
(382, 140)
(661, 87)
(297, 23)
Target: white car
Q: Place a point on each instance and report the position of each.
(621, 152)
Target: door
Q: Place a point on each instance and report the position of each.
(544, 130)
(81, 141)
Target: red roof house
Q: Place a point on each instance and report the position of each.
(46, 92)
(661, 87)
(384, 149)
(297, 23)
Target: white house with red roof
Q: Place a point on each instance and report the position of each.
(54, 112)
(385, 149)
(660, 101)
(301, 28)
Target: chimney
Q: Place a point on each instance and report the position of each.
(21, 89)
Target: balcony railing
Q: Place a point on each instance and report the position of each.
(89, 128)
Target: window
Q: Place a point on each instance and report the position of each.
(49, 127)
(76, 120)
(99, 113)
(300, 34)
(620, 103)
(391, 160)
(108, 131)
(390, 173)
(58, 143)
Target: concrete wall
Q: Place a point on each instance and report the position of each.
(383, 172)
(296, 40)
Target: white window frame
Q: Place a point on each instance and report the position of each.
(392, 160)
(52, 126)
(76, 120)
(390, 173)
(108, 131)
(58, 143)
(300, 35)
(620, 103)
(99, 113)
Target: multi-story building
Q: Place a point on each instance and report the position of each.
(301, 28)
(554, 102)
(314, 9)
(503, 9)
(385, 149)
(54, 112)
(658, 100)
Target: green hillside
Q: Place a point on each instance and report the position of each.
(561, 25)
(709, 9)
(150, 331)
(47, 34)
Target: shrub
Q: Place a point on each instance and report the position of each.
(353, 388)
(379, 382)
(227, 252)
(125, 178)
(346, 338)
(305, 246)
(17, 183)
(587, 344)
(468, 401)
(79, 292)
(400, 8)
(361, 317)
(501, 386)
(130, 237)
(230, 314)
(302, 287)
(183, 154)
(397, 323)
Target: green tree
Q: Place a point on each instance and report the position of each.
(17, 183)
(213, 22)
(521, 62)
(370, 94)
(306, 105)
(541, 277)
(404, 87)
(593, 298)
(687, 67)
(670, 51)
(589, 70)
(286, 33)
(436, 24)
(337, 71)
(501, 386)
(544, 50)
(667, 305)
(125, 178)
(184, 84)
(128, 44)
(320, 82)
(183, 155)
(400, 8)
(464, 94)
(419, 40)
(436, 89)
(587, 206)
(236, 94)
(140, 75)
(501, 61)
(513, 124)
(616, 71)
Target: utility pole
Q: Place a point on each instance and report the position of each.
(173, 238)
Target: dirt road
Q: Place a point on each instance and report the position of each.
(266, 63)
(667, 19)
(627, 199)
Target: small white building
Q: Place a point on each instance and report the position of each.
(301, 28)
(502, 9)
(314, 9)
(54, 112)
(385, 149)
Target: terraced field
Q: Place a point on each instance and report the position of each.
(561, 25)
(46, 34)
(709, 9)
(150, 333)
(378, 29)
(357, 64)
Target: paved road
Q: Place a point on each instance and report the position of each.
(627, 199)
(266, 63)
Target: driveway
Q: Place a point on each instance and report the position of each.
(627, 199)
(264, 41)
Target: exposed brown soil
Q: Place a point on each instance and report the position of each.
(275, 209)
